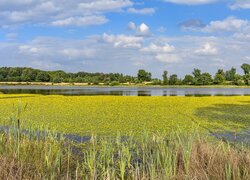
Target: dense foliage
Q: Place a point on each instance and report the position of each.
(229, 77)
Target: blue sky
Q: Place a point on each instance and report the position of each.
(125, 35)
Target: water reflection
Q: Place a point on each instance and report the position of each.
(123, 91)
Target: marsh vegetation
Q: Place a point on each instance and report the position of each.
(175, 155)
(129, 137)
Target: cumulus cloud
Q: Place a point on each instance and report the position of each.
(158, 48)
(240, 4)
(78, 52)
(27, 49)
(243, 35)
(229, 24)
(168, 58)
(143, 11)
(191, 2)
(110, 52)
(81, 21)
(162, 52)
(123, 41)
(124, 53)
(71, 12)
(10, 2)
(207, 49)
(141, 30)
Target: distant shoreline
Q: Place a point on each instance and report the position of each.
(121, 85)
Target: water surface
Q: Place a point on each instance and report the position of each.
(124, 91)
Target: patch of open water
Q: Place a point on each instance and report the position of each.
(124, 91)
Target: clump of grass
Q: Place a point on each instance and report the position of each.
(145, 156)
(157, 156)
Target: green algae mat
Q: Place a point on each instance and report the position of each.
(109, 114)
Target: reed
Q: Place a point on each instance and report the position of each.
(145, 156)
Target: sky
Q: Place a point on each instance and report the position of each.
(125, 35)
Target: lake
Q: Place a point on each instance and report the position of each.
(124, 91)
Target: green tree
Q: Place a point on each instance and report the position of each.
(247, 79)
(246, 68)
(143, 75)
(57, 79)
(1, 78)
(43, 77)
(238, 80)
(156, 81)
(206, 79)
(173, 79)
(221, 72)
(4, 73)
(188, 80)
(165, 78)
(219, 79)
(196, 73)
(28, 75)
(230, 74)
(197, 77)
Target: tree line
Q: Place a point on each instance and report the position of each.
(24, 74)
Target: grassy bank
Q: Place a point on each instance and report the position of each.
(177, 155)
(108, 114)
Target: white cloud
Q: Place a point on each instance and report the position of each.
(163, 53)
(123, 41)
(158, 49)
(7, 2)
(124, 53)
(81, 21)
(48, 12)
(78, 53)
(191, 2)
(207, 49)
(104, 5)
(240, 4)
(242, 35)
(168, 58)
(141, 30)
(144, 11)
(29, 49)
(229, 24)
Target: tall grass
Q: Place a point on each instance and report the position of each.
(146, 156)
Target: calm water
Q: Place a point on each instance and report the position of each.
(124, 91)
(241, 137)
